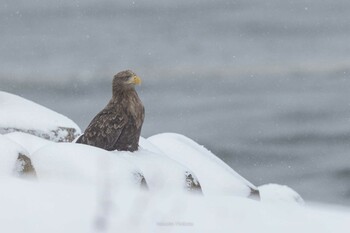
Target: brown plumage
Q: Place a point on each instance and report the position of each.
(118, 125)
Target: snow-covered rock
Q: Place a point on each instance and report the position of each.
(78, 163)
(162, 173)
(279, 193)
(82, 163)
(215, 176)
(19, 114)
(14, 159)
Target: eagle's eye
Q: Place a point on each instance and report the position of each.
(125, 78)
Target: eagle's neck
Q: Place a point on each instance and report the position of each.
(120, 94)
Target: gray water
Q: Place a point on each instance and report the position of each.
(263, 84)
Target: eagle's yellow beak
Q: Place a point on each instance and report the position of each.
(136, 79)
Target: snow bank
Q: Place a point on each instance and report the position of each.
(215, 176)
(19, 114)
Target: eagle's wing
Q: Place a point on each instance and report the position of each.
(105, 129)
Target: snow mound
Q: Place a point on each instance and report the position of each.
(162, 173)
(19, 114)
(14, 159)
(215, 176)
(78, 163)
(279, 193)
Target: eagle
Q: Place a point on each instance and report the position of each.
(118, 125)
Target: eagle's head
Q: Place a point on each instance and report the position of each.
(125, 80)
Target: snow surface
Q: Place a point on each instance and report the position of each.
(30, 142)
(24, 115)
(215, 176)
(39, 207)
(35, 207)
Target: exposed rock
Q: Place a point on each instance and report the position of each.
(141, 180)
(14, 159)
(192, 183)
(254, 194)
(24, 167)
(61, 134)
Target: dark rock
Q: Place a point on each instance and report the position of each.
(141, 180)
(254, 194)
(24, 166)
(192, 184)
